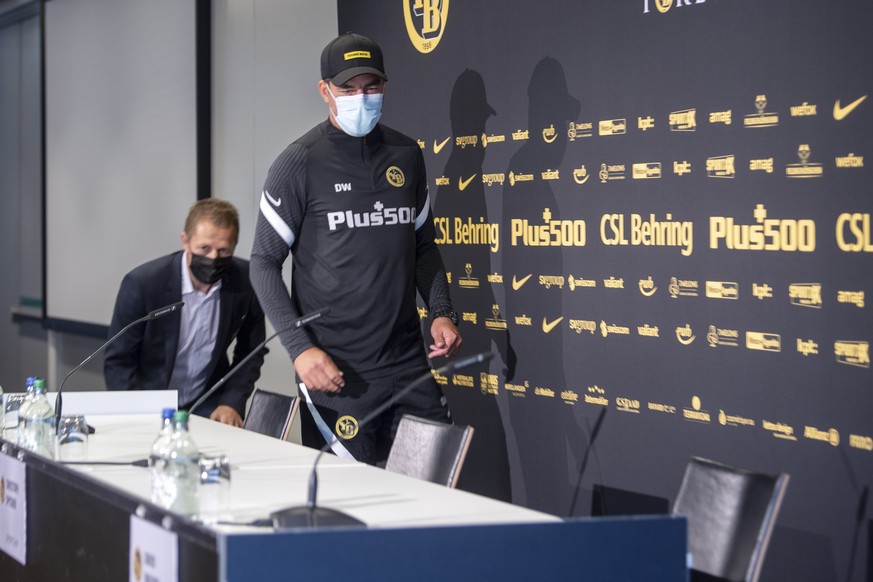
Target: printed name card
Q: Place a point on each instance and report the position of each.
(154, 552)
(13, 508)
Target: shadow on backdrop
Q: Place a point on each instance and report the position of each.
(546, 441)
(462, 202)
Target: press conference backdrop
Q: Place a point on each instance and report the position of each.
(656, 210)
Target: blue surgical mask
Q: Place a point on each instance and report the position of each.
(357, 115)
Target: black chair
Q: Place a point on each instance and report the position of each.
(271, 413)
(429, 450)
(731, 513)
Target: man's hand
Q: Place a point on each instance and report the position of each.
(446, 338)
(318, 372)
(226, 415)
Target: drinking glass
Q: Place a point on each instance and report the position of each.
(72, 438)
(12, 402)
(214, 487)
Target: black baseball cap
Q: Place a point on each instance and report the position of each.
(350, 55)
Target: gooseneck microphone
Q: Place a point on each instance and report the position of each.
(312, 516)
(297, 323)
(159, 312)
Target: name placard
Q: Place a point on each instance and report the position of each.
(154, 552)
(13, 508)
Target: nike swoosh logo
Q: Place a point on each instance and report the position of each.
(840, 113)
(547, 327)
(516, 284)
(274, 201)
(438, 147)
(462, 184)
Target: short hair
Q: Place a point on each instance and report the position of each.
(221, 213)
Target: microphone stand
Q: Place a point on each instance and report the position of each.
(594, 432)
(297, 323)
(159, 312)
(313, 516)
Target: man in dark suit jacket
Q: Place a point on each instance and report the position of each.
(187, 350)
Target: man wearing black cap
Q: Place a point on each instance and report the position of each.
(349, 200)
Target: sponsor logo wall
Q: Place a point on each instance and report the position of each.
(660, 209)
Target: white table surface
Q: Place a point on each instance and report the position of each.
(268, 474)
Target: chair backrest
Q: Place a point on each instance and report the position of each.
(429, 450)
(731, 513)
(271, 413)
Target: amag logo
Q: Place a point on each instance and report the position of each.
(425, 22)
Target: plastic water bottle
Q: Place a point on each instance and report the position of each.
(158, 459)
(36, 422)
(28, 385)
(182, 467)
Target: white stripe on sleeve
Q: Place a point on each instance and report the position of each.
(419, 220)
(337, 447)
(279, 225)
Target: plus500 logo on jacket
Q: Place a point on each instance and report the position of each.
(381, 216)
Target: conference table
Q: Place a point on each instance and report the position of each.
(79, 520)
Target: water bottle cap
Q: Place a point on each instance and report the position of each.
(39, 383)
(180, 416)
(167, 413)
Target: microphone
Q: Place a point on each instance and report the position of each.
(312, 516)
(154, 314)
(297, 323)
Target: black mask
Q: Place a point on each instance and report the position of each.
(208, 270)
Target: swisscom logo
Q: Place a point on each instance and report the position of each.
(425, 22)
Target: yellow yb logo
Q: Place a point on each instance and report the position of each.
(425, 22)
